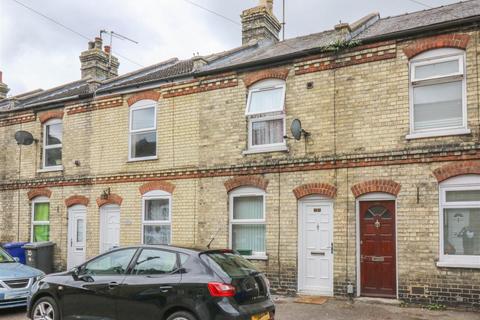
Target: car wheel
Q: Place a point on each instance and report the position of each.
(181, 315)
(45, 309)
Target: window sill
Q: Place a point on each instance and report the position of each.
(444, 264)
(50, 169)
(440, 133)
(259, 257)
(142, 159)
(282, 148)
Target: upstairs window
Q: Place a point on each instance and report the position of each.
(143, 130)
(266, 116)
(52, 144)
(437, 93)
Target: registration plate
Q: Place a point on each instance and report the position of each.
(15, 295)
(263, 316)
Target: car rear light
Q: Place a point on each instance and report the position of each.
(218, 289)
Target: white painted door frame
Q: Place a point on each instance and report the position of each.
(374, 196)
(76, 240)
(312, 200)
(104, 212)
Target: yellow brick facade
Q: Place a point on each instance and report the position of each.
(358, 117)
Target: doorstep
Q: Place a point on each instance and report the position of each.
(391, 302)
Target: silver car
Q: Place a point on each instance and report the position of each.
(16, 281)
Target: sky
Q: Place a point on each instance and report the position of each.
(37, 53)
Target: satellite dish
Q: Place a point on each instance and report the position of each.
(296, 129)
(24, 138)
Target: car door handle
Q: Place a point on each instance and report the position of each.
(112, 285)
(165, 288)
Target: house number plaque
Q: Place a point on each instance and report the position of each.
(316, 210)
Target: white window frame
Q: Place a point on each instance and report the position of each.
(35, 200)
(252, 117)
(246, 192)
(139, 105)
(432, 57)
(52, 146)
(157, 195)
(460, 183)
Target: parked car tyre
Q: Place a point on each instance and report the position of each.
(45, 308)
(181, 315)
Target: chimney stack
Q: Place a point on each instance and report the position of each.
(259, 23)
(98, 64)
(3, 88)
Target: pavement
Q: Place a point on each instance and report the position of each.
(333, 309)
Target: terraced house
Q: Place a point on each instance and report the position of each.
(375, 191)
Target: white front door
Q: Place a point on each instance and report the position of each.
(315, 256)
(109, 227)
(76, 235)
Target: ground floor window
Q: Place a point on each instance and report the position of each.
(40, 219)
(247, 221)
(156, 226)
(460, 219)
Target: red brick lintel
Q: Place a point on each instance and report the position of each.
(377, 185)
(257, 170)
(456, 169)
(459, 41)
(323, 189)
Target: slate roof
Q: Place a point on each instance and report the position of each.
(23, 101)
(422, 18)
(255, 53)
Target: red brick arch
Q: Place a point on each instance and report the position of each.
(145, 95)
(377, 185)
(52, 114)
(156, 185)
(39, 192)
(76, 199)
(323, 189)
(456, 169)
(459, 41)
(277, 73)
(112, 199)
(246, 181)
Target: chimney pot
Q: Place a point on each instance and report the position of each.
(98, 43)
(106, 49)
(91, 44)
(1, 77)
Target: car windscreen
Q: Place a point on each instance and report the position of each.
(232, 264)
(5, 257)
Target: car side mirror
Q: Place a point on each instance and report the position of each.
(181, 270)
(17, 259)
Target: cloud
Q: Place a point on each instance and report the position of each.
(36, 53)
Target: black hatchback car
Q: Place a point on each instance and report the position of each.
(155, 282)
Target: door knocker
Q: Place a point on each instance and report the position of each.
(377, 224)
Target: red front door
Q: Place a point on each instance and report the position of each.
(377, 249)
